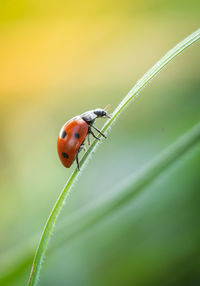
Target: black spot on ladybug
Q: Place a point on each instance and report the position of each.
(77, 135)
(63, 134)
(65, 155)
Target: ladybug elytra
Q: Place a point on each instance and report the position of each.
(73, 134)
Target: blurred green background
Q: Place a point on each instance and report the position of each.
(59, 59)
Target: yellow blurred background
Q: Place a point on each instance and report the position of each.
(59, 59)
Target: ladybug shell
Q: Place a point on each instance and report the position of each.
(70, 138)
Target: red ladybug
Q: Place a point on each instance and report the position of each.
(72, 135)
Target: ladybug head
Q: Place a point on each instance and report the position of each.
(101, 113)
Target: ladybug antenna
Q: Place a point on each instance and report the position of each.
(107, 107)
(106, 110)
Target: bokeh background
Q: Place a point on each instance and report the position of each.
(59, 59)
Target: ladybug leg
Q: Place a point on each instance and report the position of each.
(91, 132)
(88, 137)
(77, 161)
(98, 131)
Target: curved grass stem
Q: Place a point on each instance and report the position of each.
(121, 194)
(48, 229)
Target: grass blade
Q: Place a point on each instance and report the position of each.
(48, 229)
(130, 187)
(95, 212)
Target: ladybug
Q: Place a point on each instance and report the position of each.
(73, 134)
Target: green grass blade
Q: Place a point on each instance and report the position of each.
(48, 229)
(129, 188)
(114, 199)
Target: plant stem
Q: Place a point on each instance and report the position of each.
(112, 200)
(128, 189)
(48, 229)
